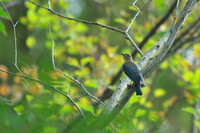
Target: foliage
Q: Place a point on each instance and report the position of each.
(91, 54)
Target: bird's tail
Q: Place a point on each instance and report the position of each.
(138, 90)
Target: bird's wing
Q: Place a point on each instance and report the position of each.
(132, 71)
(133, 68)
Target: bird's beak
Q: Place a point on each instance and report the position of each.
(122, 53)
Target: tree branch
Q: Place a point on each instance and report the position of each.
(115, 78)
(66, 75)
(15, 38)
(78, 20)
(48, 85)
(115, 104)
(99, 24)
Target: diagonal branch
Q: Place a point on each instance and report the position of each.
(66, 75)
(99, 24)
(48, 85)
(107, 93)
(78, 20)
(15, 38)
(115, 104)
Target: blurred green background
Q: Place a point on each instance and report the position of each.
(91, 54)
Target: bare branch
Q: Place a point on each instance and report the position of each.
(15, 38)
(48, 85)
(145, 5)
(133, 17)
(49, 4)
(66, 75)
(78, 20)
(173, 32)
(127, 30)
(96, 23)
(107, 93)
(72, 101)
(116, 103)
(9, 102)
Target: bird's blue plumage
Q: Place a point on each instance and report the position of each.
(133, 72)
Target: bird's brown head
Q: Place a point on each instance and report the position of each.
(127, 57)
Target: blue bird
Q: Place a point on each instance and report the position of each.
(132, 70)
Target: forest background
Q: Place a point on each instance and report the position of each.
(36, 97)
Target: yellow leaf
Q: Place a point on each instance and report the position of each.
(30, 42)
(164, 65)
(120, 20)
(159, 92)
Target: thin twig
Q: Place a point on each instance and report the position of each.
(49, 4)
(134, 44)
(94, 23)
(72, 101)
(66, 75)
(54, 67)
(78, 20)
(27, 77)
(133, 17)
(107, 92)
(118, 100)
(46, 84)
(145, 5)
(9, 102)
(15, 38)
(129, 26)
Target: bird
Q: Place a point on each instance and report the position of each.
(134, 73)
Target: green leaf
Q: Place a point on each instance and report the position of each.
(30, 42)
(164, 65)
(159, 92)
(153, 116)
(3, 14)
(189, 110)
(3, 28)
(159, 5)
(19, 109)
(120, 20)
(198, 124)
(140, 112)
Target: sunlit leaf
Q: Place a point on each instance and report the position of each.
(198, 124)
(19, 109)
(189, 110)
(29, 98)
(159, 92)
(30, 41)
(87, 60)
(120, 20)
(133, 8)
(91, 83)
(81, 28)
(164, 65)
(187, 75)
